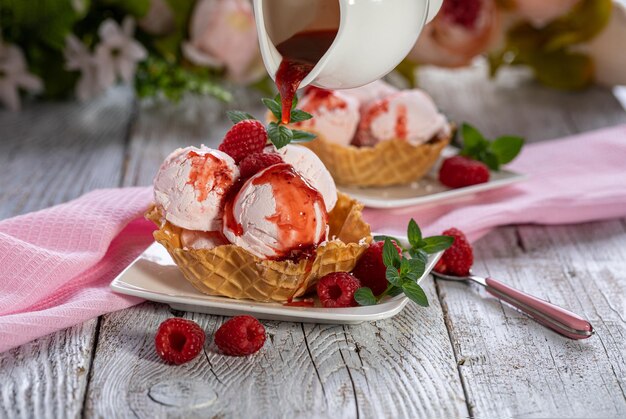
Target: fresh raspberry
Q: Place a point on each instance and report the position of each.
(337, 290)
(239, 336)
(371, 270)
(244, 138)
(457, 259)
(178, 340)
(254, 163)
(459, 171)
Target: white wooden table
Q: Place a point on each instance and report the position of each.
(463, 356)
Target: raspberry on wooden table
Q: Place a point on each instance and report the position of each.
(460, 171)
(457, 259)
(244, 138)
(239, 336)
(337, 290)
(371, 270)
(178, 340)
(256, 162)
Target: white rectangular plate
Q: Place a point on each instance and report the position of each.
(154, 276)
(428, 189)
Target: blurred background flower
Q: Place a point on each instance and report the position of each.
(208, 48)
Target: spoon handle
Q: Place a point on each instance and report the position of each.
(554, 317)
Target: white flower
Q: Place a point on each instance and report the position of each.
(118, 53)
(77, 57)
(14, 75)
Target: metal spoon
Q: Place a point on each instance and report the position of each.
(556, 318)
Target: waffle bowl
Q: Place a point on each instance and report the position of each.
(231, 271)
(394, 162)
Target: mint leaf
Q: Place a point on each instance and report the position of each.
(436, 244)
(390, 254)
(418, 268)
(302, 136)
(394, 291)
(383, 237)
(506, 148)
(472, 138)
(298, 115)
(415, 293)
(279, 135)
(414, 233)
(490, 159)
(274, 107)
(392, 275)
(238, 116)
(364, 296)
(418, 254)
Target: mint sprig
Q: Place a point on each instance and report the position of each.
(494, 153)
(403, 271)
(279, 134)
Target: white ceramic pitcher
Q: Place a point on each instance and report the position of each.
(373, 36)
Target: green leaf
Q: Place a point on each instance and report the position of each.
(563, 70)
(394, 291)
(414, 233)
(436, 244)
(392, 275)
(418, 254)
(298, 115)
(472, 138)
(415, 293)
(279, 135)
(390, 254)
(383, 237)
(364, 296)
(506, 148)
(586, 20)
(418, 267)
(490, 159)
(238, 116)
(273, 106)
(302, 136)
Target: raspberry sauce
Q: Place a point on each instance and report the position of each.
(295, 213)
(300, 54)
(207, 174)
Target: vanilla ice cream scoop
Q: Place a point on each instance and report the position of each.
(335, 115)
(410, 115)
(312, 169)
(276, 214)
(371, 92)
(190, 187)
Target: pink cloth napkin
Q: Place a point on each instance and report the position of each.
(56, 264)
(571, 180)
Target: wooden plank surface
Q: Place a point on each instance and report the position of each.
(51, 153)
(510, 366)
(377, 369)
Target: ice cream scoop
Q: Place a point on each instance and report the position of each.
(312, 169)
(335, 115)
(410, 115)
(276, 214)
(371, 92)
(191, 185)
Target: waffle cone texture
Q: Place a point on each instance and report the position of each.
(231, 271)
(393, 162)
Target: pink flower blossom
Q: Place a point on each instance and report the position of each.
(223, 34)
(118, 53)
(14, 75)
(159, 20)
(462, 30)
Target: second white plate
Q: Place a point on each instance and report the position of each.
(428, 189)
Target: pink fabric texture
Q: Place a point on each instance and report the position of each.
(571, 180)
(56, 264)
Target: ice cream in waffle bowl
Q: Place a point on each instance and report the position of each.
(375, 135)
(250, 221)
